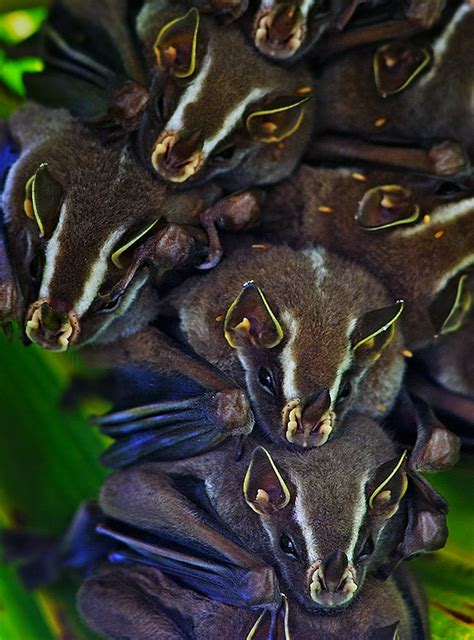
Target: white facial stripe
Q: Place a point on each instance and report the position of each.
(306, 6)
(287, 358)
(192, 94)
(442, 215)
(317, 255)
(53, 249)
(128, 299)
(460, 266)
(443, 42)
(345, 364)
(360, 509)
(306, 529)
(96, 274)
(232, 119)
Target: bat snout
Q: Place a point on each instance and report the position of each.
(332, 580)
(309, 422)
(51, 326)
(176, 159)
(280, 32)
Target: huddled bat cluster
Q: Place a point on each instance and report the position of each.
(258, 217)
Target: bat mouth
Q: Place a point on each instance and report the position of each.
(306, 434)
(332, 587)
(169, 163)
(279, 32)
(51, 329)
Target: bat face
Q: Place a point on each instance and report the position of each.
(211, 114)
(76, 213)
(415, 233)
(327, 527)
(307, 330)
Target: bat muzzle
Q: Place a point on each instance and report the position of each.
(51, 327)
(280, 32)
(332, 581)
(176, 159)
(309, 422)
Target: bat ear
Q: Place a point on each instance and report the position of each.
(176, 45)
(270, 622)
(436, 448)
(450, 308)
(264, 489)
(374, 331)
(387, 206)
(43, 199)
(119, 257)
(426, 528)
(249, 320)
(386, 633)
(390, 487)
(278, 120)
(396, 65)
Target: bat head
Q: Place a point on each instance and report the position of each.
(210, 114)
(76, 212)
(328, 512)
(309, 332)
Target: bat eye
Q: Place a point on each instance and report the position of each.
(367, 550)
(223, 155)
(448, 189)
(345, 391)
(288, 546)
(266, 381)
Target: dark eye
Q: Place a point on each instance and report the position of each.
(224, 155)
(448, 189)
(265, 380)
(345, 391)
(108, 304)
(288, 546)
(367, 550)
(159, 107)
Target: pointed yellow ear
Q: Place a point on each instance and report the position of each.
(249, 320)
(279, 120)
(387, 206)
(392, 484)
(451, 307)
(43, 199)
(375, 330)
(264, 489)
(396, 65)
(176, 45)
(118, 255)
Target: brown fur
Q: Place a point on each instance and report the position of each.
(105, 190)
(322, 302)
(143, 604)
(414, 268)
(419, 114)
(229, 80)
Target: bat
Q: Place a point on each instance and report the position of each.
(88, 231)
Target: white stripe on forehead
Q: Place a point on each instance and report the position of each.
(443, 214)
(97, 269)
(192, 94)
(360, 509)
(232, 119)
(96, 274)
(307, 530)
(287, 358)
(444, 41)
(345, 364)
(317, 256)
